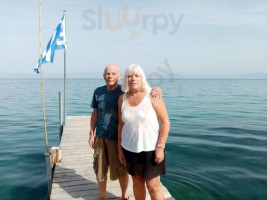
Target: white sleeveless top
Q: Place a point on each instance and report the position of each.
(140, 131)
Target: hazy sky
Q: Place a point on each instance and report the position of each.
(181, 38)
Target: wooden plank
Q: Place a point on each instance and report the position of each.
(74, 177)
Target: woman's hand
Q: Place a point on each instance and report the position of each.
(121, 156)
(159, 155)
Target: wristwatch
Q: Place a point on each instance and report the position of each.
(161, 146)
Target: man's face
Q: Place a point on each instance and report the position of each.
(112, 75)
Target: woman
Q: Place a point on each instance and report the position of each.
(142, 133)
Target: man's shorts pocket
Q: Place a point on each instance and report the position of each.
(95, 163)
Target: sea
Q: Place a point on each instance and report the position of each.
(216, 149)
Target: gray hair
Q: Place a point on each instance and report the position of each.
(112, 65)
(134, 69)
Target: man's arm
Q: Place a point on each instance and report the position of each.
(92, 128)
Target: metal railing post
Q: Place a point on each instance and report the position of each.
(60, 116)
(49, 173)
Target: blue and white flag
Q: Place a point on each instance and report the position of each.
(57, 41)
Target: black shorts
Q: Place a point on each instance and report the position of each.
(143, 164)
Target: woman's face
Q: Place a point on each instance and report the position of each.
(134, 81)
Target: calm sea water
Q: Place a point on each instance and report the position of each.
(216, 150)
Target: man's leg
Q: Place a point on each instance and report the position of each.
(124, 180)
(117, 170)
(102, 186)
(101, 166)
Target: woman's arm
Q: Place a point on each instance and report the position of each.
(120, 125)
(162, 114)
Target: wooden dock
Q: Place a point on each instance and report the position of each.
(74, 176)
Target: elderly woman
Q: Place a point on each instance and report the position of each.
(142, 133)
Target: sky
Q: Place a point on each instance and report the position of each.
(174, 38)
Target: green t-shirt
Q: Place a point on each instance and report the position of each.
(106, 103)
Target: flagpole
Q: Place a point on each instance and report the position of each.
(64, 12)
(41, 71)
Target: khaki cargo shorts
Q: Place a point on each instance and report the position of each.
(106, 156)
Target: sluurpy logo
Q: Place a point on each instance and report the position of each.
(135, 26)
(161, 74)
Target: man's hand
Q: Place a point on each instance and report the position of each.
(156, 92)
(92, 141)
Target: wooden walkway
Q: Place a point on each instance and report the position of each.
(74, 177)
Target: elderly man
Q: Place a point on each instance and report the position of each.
(104, 132)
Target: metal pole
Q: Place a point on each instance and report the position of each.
(64, 12)
(60, 116)
(42, 84)
(49, 173)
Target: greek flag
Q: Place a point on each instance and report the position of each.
(57, 41)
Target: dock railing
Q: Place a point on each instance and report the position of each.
(61, 115)
(54, 155)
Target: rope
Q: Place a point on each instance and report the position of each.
(42, 84)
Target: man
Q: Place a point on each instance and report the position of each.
(104, 132)
(105, 143)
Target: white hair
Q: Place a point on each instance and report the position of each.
(134, 69)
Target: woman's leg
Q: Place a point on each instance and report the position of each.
(139, 188)
(154, 188)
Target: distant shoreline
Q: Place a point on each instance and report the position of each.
(175, 76)
(83, 78)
